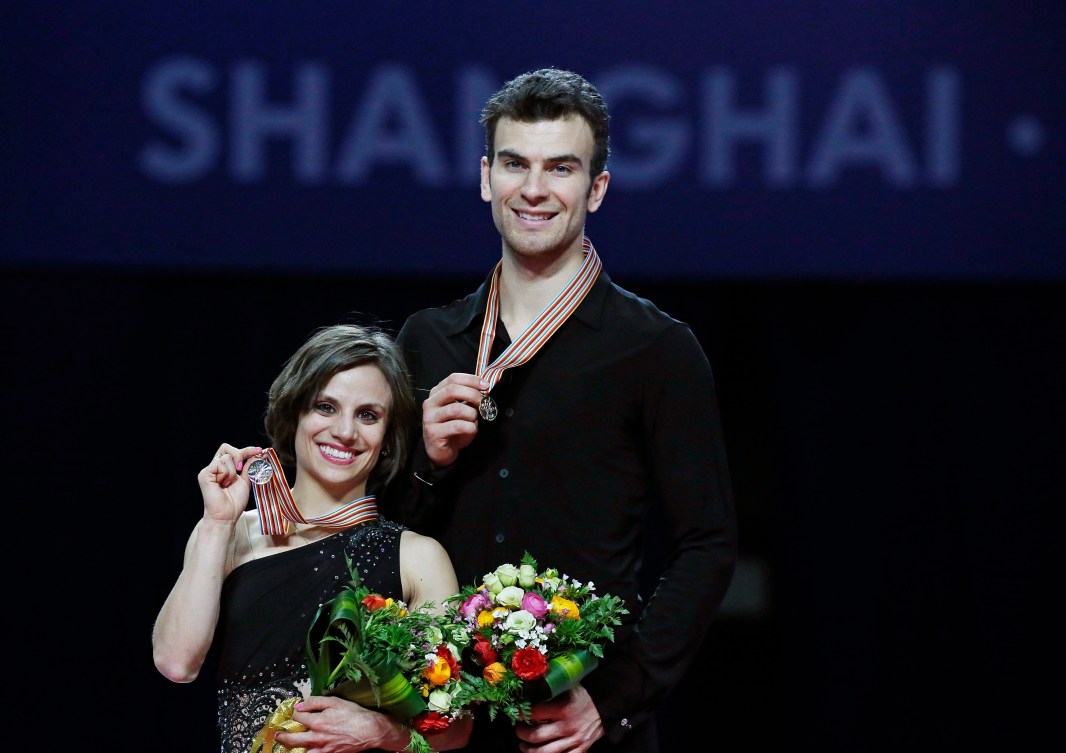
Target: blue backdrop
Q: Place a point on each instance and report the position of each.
(873, 140)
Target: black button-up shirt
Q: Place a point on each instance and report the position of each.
(614, 418)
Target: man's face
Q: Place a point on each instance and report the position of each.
(539, 185)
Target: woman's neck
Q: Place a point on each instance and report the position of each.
(314, 500)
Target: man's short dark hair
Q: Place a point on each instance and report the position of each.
(550, 94)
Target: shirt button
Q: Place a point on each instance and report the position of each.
(509, 412)
(504, 473)
(499, 538)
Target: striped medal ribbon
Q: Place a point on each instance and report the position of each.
(537, 333)
(277, 508)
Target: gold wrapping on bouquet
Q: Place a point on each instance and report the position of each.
(280, 721)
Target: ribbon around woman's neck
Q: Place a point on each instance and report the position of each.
(277, 508)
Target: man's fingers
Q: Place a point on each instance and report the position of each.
(450, 405)
(462, 384)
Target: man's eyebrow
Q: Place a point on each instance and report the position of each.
(512, 154)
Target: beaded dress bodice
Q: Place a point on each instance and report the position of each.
(267, 606)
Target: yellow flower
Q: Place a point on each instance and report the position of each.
(400, 611)
(485, 618)
(494, 673)
(439, 672)
(565, 608)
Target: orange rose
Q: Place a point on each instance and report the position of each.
(494, 673)
(443, 668)
(453, 665)
(565, 608)
(439, 672)
(374, 602)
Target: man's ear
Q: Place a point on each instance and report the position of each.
(597, 191)
(486, 183)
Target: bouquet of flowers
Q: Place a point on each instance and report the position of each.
(370, 649)
(531, 635)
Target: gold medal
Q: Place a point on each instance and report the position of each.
(487, 408)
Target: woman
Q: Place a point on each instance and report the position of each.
(340, 412)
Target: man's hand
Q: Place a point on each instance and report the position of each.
(567, 724)
(449, 416)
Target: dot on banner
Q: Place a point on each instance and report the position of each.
(1025, 135)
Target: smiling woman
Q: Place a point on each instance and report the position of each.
(340, 411)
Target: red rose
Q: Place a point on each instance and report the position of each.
(529, 664)
(483, 651)
(373, 602)
(444, 653)
(429, 722)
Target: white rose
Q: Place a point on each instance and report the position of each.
(434, 636)
(458, 637)
(439, 701)
(493, 583)
(519, 622)
(508, 574)
(510, 596)
(527, 576)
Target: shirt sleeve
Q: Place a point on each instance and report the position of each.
(683, 434)
(409, 497)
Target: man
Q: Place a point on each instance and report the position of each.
(562, 412)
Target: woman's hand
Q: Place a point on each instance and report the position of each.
(335, 725)
(224, 487)
(338, 726)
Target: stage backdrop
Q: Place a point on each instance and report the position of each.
(756, 139)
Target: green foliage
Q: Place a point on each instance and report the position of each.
(565, 641)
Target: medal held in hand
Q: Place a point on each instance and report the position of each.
(487, 408)
(260, 470)
(536, 334)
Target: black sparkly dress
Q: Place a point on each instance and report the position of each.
(268, 604)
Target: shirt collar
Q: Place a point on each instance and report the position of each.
(590, 312)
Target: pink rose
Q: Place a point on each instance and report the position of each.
(534, 603)
(474, 605)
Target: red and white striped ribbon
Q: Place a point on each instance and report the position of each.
(547, 323)
(277, 508)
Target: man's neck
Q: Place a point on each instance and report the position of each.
(527, 286)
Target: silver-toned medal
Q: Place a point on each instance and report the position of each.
(260, 471)
(487, 408)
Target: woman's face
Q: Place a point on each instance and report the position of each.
(339, 440)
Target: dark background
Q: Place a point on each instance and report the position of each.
(889, 358)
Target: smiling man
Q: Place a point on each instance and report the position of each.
(562, 411)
